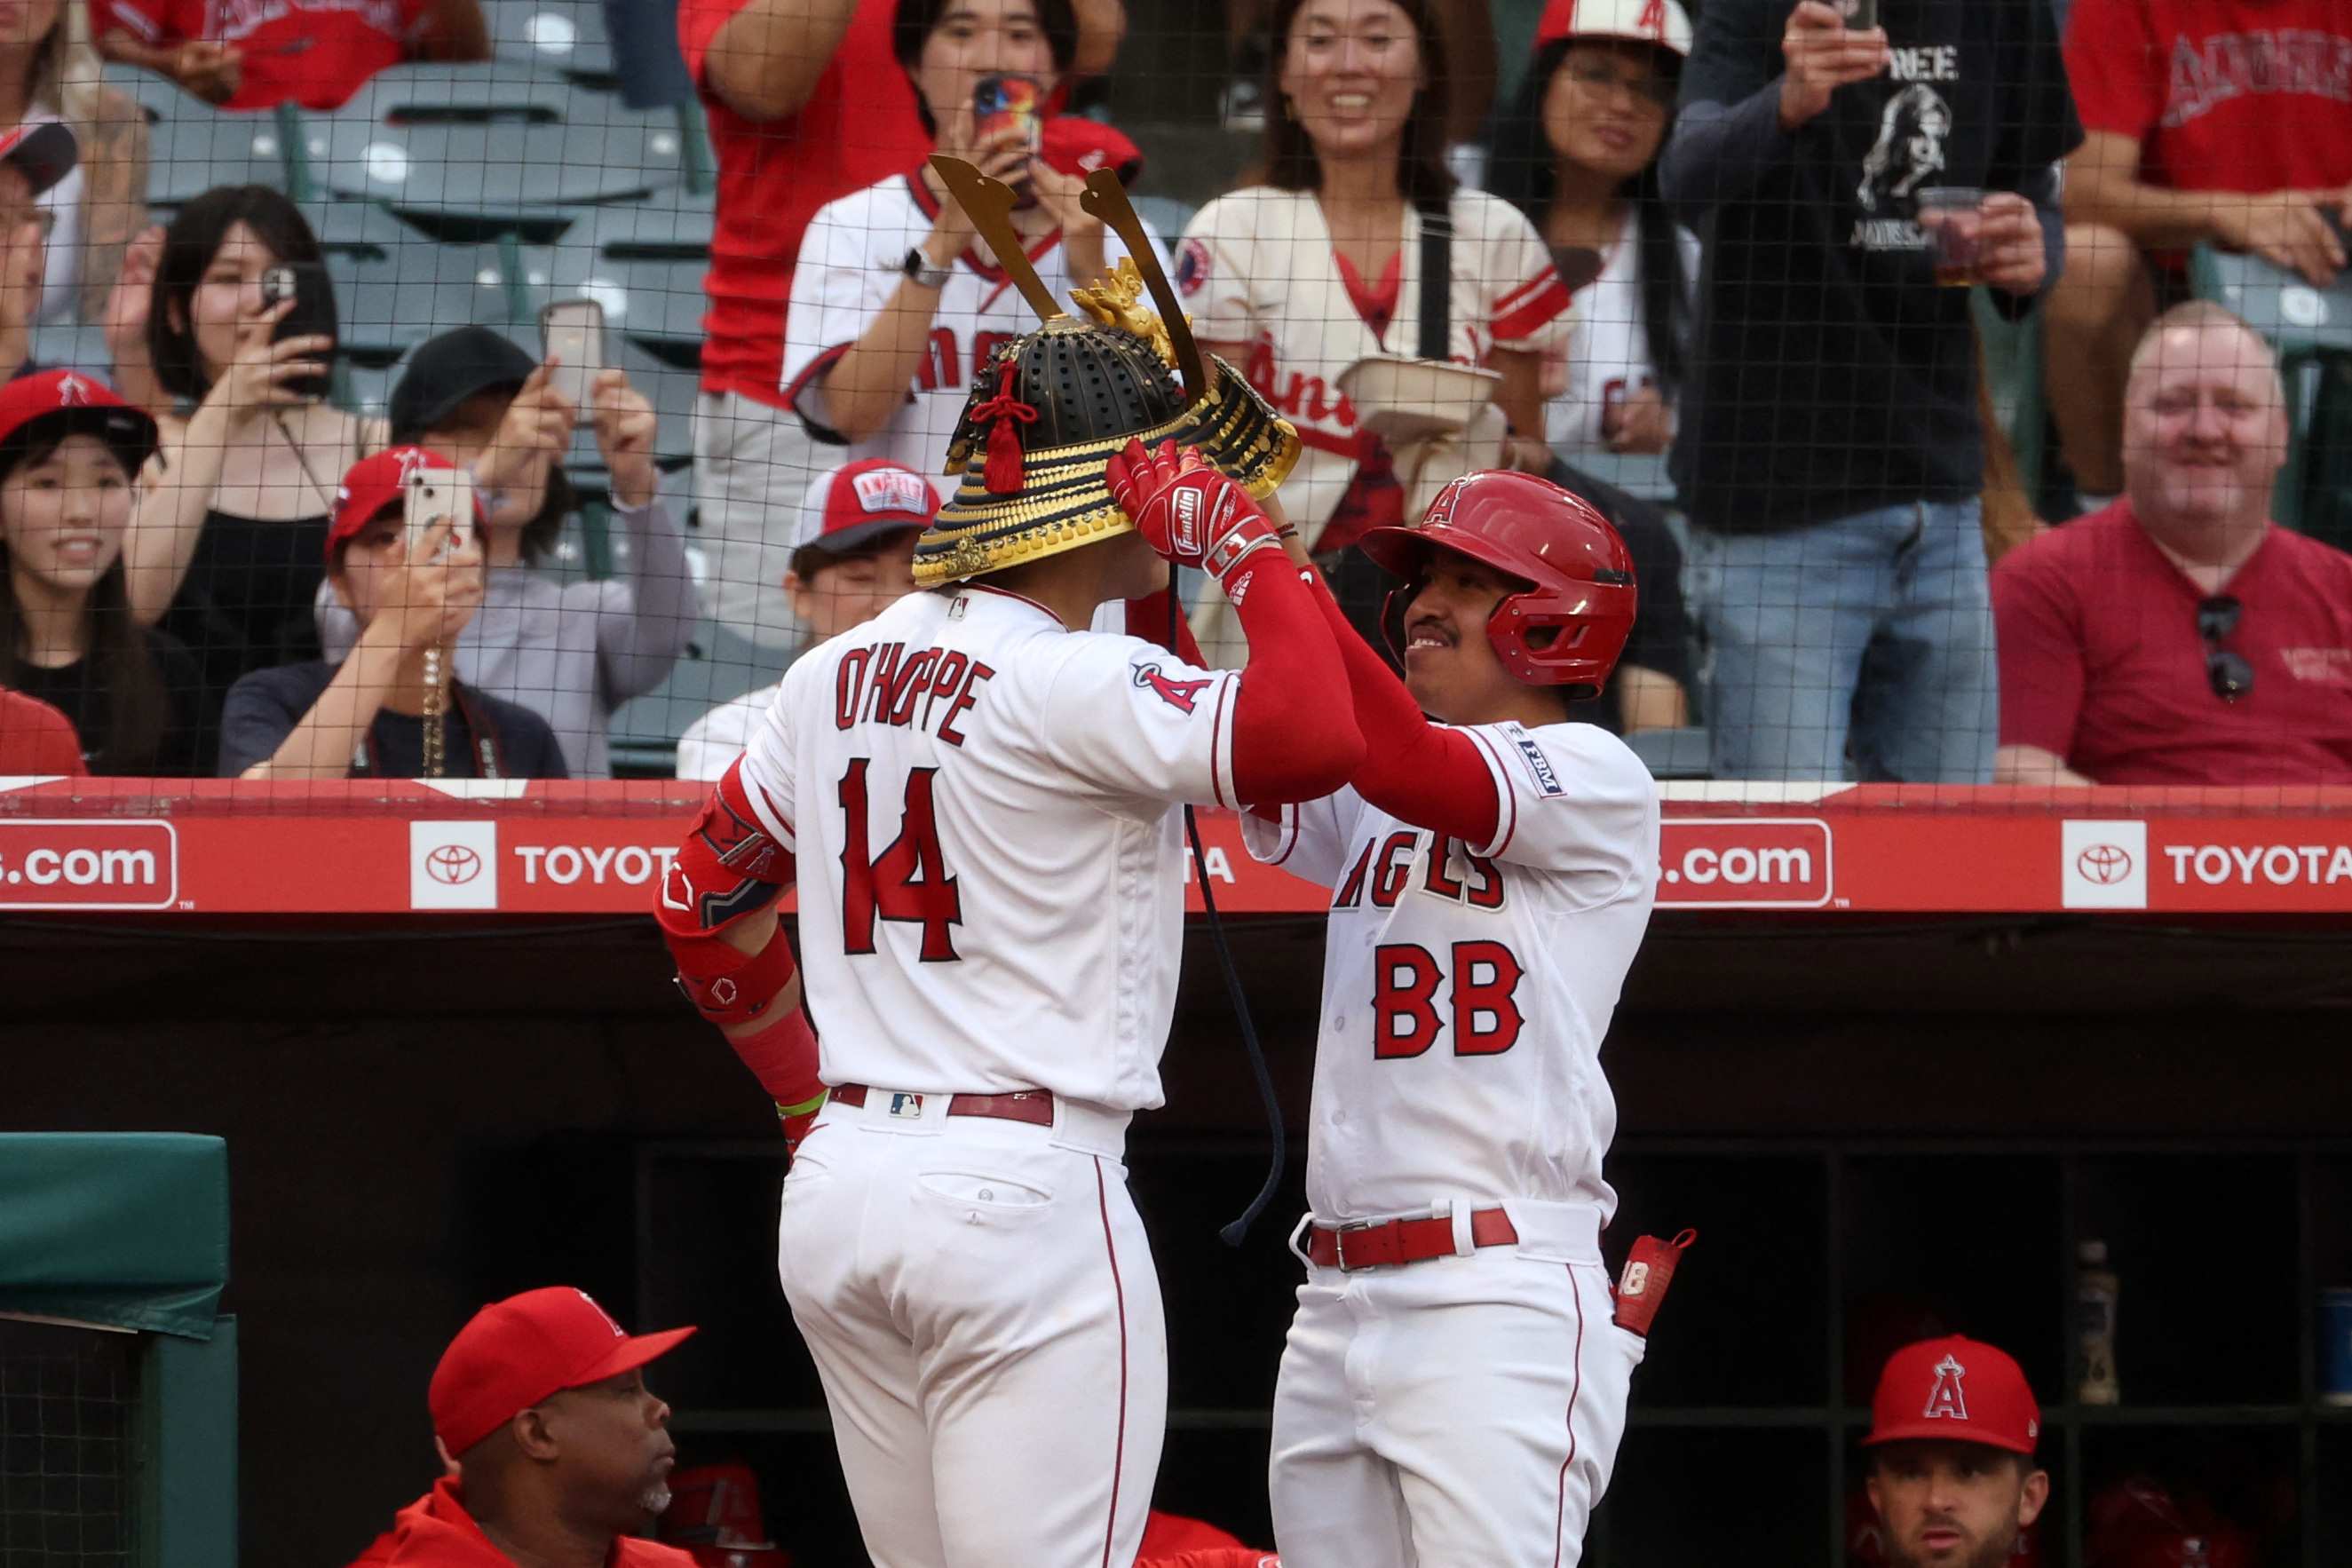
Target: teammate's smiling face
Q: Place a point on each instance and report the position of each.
(1954, 1505)
(1451, 669)
(1350, 72)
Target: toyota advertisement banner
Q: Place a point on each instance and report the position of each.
(206, 846)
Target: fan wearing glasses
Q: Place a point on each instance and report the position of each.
(2178, 635)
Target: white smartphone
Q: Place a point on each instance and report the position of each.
(572, 331)
(436, 494)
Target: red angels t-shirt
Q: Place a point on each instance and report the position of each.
(2221, 95)
(34, 738)
(858, 126)
(315, 52)
(2101, 663)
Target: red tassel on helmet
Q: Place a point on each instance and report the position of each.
(1004, 476)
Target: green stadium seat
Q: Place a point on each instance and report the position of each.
(472, 152)
(567, 36)
(193, 147)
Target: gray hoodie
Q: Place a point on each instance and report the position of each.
(572, 652)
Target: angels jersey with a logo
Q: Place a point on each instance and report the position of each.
(1467, 987)
(852, 260)
(990, 874)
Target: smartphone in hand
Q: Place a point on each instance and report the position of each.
(1861, 16)
(1016, 102)
(435, 494)
(571, 332)
(313, 293)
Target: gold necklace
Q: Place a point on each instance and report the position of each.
(436, 704)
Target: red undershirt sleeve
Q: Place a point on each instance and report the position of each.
(1415, 771)
(1291, 739)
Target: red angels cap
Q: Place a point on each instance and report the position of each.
(77, 403)
(1076, 145)
(857, 502)
(1660, 22)
(1957, 1390)
(374, 483)
(44, 151)
(519, 1351)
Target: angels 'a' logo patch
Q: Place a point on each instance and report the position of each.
(1192, 262)
(1945, 1399)
(1178, 694)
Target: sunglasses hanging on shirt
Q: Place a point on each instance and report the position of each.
(2228, 674)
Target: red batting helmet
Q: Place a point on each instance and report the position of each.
(1579, 577)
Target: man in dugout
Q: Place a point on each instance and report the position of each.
(1953, 1429)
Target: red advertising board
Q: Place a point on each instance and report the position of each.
(209, 846)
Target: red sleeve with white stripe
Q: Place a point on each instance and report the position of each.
(1529, 310)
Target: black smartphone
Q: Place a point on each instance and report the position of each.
(1861, 16)
(313, 293)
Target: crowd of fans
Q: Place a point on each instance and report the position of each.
(1721, 240)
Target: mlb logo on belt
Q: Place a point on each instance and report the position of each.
(906, 1106)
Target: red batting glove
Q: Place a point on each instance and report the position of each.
(1186, 511)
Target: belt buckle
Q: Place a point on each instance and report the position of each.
(1363, 1229)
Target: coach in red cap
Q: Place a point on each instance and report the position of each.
(563, 1455)
(1952, 1432)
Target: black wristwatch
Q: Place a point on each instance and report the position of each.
(919, 269)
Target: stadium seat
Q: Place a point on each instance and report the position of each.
(2311, 328)
(1683, 753)
(73, 345)
(645, 264)
(472, 152)
(193, 147)
(567, 35)
(395, 287)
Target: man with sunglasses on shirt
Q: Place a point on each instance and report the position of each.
(2177, 635)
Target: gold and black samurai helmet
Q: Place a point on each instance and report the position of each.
(1048, 409)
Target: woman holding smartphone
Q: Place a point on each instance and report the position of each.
(896, 299)
(229, 546)
(1578, 152)
(1320, 263)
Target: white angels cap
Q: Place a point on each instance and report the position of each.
(1660, 22)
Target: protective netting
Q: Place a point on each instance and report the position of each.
(1785, 296)
(67, 1416)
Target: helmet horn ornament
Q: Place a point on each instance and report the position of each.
(989, 204)
(1105, 198)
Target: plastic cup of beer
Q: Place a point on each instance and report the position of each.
(1952, 218)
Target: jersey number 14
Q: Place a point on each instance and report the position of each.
(909, 882)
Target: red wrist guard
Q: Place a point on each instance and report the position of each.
(729, 867)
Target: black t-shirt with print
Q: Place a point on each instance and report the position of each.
(1833, 375)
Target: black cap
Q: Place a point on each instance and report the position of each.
(446, 370)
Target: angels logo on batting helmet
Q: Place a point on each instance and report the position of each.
(1570, 623)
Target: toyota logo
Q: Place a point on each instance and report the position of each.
(452, 864)
(2106, 864)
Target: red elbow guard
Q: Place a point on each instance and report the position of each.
(729, 867)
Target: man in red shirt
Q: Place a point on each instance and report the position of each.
(35, 739)
(563, 1455)
(257, 54)
(808, 103)
(2224, 121)
(2177, 637)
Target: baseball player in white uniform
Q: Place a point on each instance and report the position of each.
(1454, 1387)
(974, 795)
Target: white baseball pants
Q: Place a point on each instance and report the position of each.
(982, 1304)
(1459, 1413)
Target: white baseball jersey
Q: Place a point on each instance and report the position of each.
(990, 876)
(1258, 268)
(1606, 351)
(853, 260)
(1467, 987)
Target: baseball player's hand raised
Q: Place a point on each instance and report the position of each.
(1185, 510)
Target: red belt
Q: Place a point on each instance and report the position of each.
(1358, 1246)
(1034, 1106)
